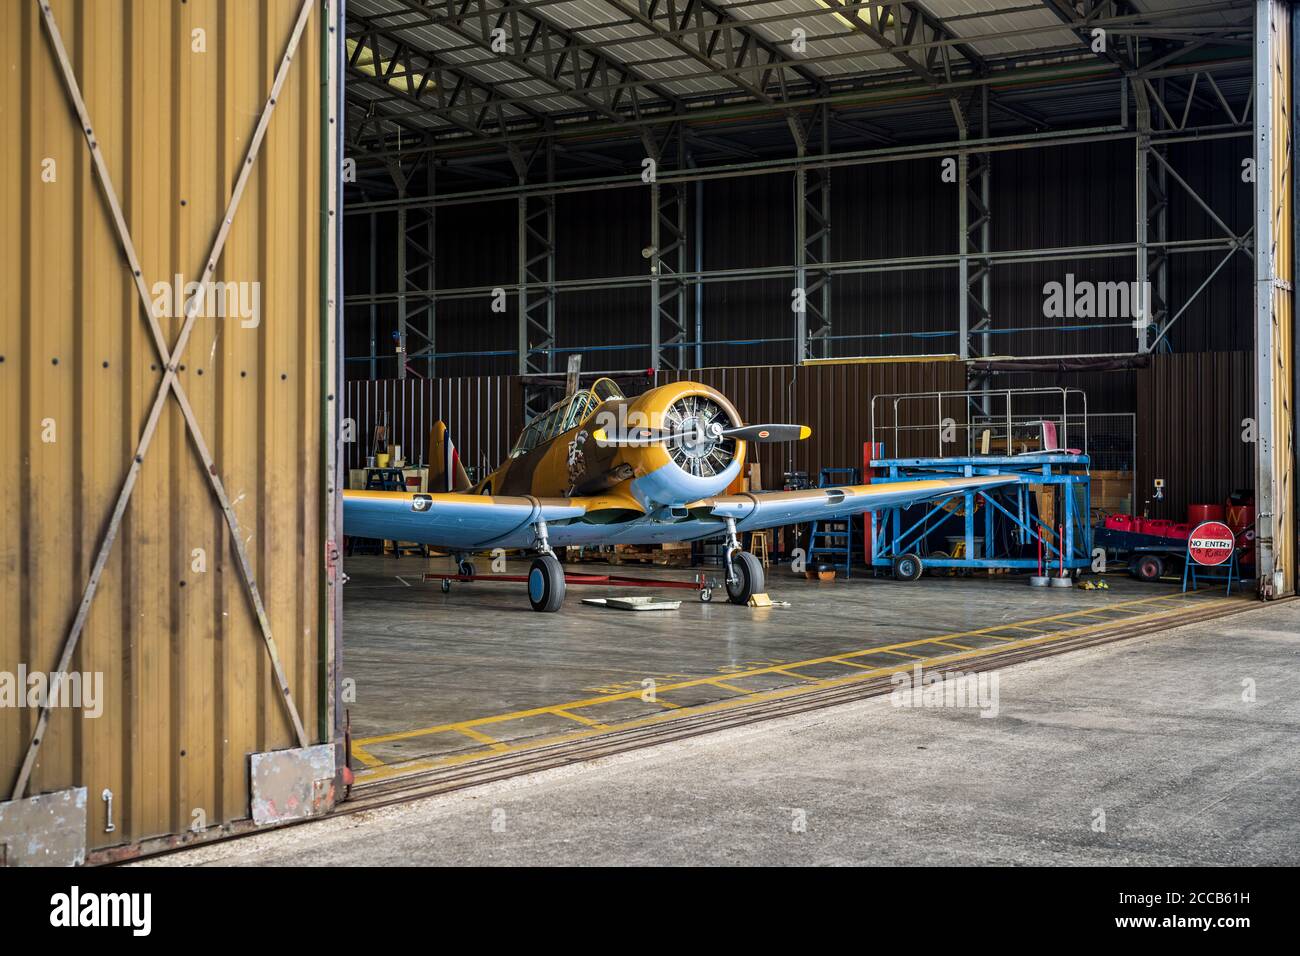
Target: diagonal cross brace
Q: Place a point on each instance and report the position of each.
(169, 384)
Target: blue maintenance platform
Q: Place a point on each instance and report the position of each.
(1002, 527)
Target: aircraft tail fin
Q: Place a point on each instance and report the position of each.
(446, 473)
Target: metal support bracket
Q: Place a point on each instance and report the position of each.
(292, 784)
(45, 830)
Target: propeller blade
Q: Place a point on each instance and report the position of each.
(634, 437)
(767, 433)
(656, 436)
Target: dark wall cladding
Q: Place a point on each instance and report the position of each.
(1057, 197)
(1190, 410)
(483, 415)
(835, 400)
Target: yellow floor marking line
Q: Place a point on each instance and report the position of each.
(580, 719)
(664, 703)
(726, 686)
(365, 758)
(789, 673)
(420, 764)
(960, 647)
(479, 736)
(359, 746)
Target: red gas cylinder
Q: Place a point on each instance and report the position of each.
(1199, 513)
(1239, 515)
(1180, 531)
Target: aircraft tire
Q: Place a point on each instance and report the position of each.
(546, 583)
(749, 578)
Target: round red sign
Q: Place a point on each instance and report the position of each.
(1211, 543)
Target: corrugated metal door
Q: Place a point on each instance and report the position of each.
(175, 91)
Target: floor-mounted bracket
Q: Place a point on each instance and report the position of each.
(48, 829)
(293, 784)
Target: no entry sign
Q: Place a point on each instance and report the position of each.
(1211, 543)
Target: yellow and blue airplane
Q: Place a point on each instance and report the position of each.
(601, 468)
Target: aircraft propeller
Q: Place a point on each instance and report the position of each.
(701, 433)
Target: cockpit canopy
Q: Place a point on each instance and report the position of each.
(568, 412)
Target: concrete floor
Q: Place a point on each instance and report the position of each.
(1152, 731)
(425, 663)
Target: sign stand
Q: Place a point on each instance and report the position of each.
(1211, 545)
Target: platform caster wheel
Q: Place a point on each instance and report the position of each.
(748, 578)
(446, 585)
(908, 567)
(465, 569)
(938, 556)
(1149, 567)
(546, 583)
(706, 595)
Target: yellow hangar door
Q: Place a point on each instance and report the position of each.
(1275, 489)
(167, 395)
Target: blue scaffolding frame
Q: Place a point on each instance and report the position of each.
(891, 537)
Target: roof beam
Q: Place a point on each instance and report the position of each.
(550, 53)
(713, 37)
(473, 106)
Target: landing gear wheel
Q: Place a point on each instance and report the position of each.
(907, 567)
(446, 585)
(748, 578)
(706, 595)
(546, 583)
(465, 569)
(1149, 567)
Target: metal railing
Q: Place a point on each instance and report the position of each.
(1010, 430)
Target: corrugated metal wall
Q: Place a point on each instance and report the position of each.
(485, 414)
(835, 400)
(187, 689)
(484, 417)
(1191, 411)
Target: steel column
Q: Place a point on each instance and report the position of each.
(536, 289)
(668, 263)
(1141, 204)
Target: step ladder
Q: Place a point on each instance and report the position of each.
(832, 542)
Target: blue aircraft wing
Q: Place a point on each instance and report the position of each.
(452, 520)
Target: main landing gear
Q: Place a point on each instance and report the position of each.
(546, 578)
(744, 570)
(545, 575)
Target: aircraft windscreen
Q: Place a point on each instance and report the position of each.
(566, 414)
(605, 390)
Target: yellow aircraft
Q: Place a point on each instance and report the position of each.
(600, 468)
